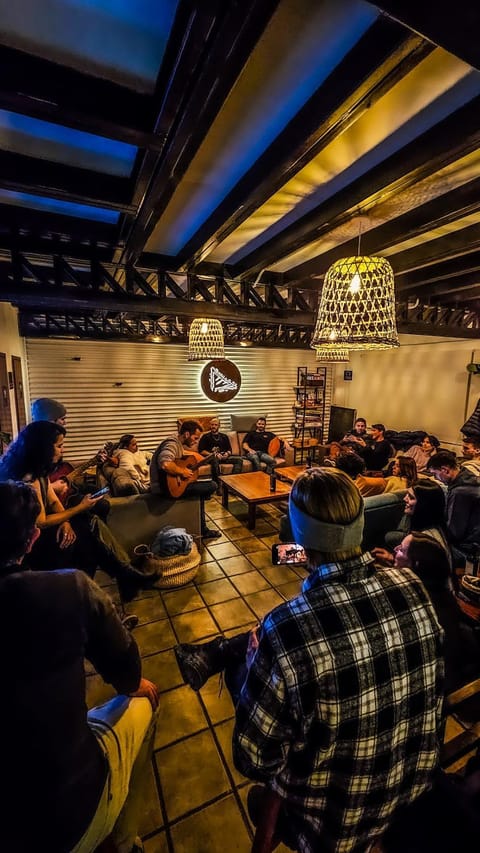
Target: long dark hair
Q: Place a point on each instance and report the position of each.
(429, 561)
(31, 452)
(429, 510)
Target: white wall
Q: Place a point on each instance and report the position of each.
(156, 385)
(12, 344)
(422, 385)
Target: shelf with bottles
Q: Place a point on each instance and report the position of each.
(309, 411)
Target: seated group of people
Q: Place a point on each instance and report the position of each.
(338, 694)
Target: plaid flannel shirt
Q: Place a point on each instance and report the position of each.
(341, 709)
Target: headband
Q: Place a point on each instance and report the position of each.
(322, 535)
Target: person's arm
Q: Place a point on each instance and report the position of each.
(55, 513)
(245, 444)
(202, 445)
(264, 727)
(458, 516)
(167, 462)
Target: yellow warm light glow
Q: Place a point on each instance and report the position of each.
(204, 328)
(355, 284)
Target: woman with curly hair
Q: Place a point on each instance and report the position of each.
(133, 473)
(71, 538)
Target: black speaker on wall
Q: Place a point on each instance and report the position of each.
(341, 422)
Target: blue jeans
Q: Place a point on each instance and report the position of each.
(256, 457)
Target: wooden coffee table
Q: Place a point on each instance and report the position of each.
(254, 489)
(290, 472)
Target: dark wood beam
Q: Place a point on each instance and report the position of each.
(439, 331)
(381, 57)
(441, 211)
(68, 183)
(40, 224)
(453, 26)
(449, 140)
(63, 299)
(457, 244)
(45, 90)
(221, 39)
(452, 270)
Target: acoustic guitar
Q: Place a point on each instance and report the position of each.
(65, 471)
(175, 484)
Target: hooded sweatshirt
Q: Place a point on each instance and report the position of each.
(463, 508)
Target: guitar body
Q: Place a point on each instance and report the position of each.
(175, 484)
(61, 472)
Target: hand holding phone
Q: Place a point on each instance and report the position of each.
(288, 553)
(101, 492)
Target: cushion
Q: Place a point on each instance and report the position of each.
(244, 423)
(203, 420)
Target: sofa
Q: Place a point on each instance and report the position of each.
(241, 424)
(135, 519)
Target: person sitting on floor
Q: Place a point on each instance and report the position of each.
(319, 718)
(167, 463)
(218, 443)
(421, 453)
(70, 537)
(74, 777)
(132, 476)
(256, 446)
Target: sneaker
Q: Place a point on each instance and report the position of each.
(197, 662)
(210, 533)
(130, 622)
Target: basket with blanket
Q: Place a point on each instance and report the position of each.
(173, 553)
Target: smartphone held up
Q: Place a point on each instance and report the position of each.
(287, 553)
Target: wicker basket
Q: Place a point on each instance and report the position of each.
(178, 570)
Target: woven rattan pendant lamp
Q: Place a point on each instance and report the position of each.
(205, 340)
(330, 356)
(357, 306)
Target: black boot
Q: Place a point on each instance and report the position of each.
(197, 662)
(130, 581)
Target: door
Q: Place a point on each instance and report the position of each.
(19, 395)
(5, 410)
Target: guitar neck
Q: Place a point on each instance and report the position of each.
(205, 460)
(81, 468)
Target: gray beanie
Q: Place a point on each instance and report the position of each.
(46, 409)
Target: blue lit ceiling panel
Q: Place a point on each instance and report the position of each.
(120, 40)
(48, 141)
(52, 205)
(302, 45)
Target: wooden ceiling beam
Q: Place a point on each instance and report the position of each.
(66, 183)
(44, 90)
(380, 58)
(220, 39)
(453, 26)
(448, 141)
(438, 213)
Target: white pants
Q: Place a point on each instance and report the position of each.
(124, 728)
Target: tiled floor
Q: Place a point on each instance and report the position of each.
(196, 800)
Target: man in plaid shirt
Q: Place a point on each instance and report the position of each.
(340, 712)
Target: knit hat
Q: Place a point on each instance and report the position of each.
(472, 426)
(45, 409)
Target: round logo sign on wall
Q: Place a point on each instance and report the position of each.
(221, 380)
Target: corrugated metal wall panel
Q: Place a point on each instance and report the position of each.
(158, 384)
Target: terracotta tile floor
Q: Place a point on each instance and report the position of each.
(195, 798)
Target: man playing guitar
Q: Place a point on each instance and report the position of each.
(173, 475)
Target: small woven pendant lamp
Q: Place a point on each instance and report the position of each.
(357, 306)
(331, 355)
(205, 340)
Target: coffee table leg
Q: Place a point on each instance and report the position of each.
(224, 496)
(251, 516)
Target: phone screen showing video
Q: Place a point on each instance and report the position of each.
(288, 553)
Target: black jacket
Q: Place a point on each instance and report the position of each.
(463, 509)
(53, 768)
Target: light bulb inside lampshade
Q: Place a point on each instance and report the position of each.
(204, 328)
(357, 306)
(355, 284)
